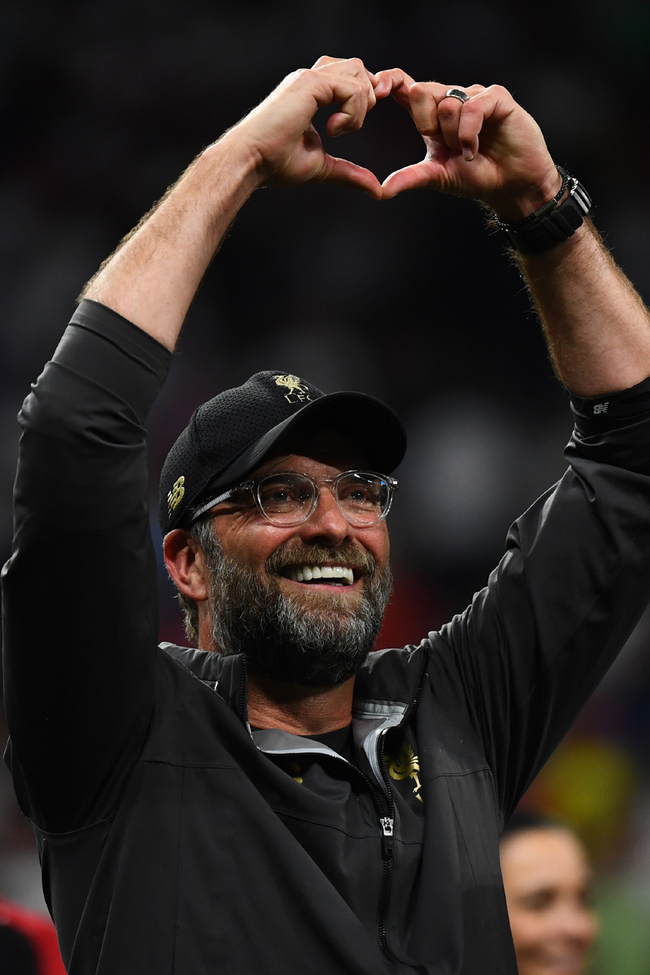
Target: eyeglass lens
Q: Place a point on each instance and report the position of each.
(290, 498)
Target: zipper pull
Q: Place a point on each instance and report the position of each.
(387, 850)
(387, 825)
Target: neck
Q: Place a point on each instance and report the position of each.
(297, 709)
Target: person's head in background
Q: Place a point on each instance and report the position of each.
(547, 881)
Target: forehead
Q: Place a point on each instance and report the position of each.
(543, 857)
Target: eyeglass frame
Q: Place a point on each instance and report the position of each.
(253, 486)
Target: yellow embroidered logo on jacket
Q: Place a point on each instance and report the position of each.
(406, 766)
(298, 392)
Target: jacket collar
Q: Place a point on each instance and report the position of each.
(385, 691)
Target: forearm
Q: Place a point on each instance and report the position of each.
(596, 325)
(152, 277)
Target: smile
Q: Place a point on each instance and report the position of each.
(336, 575)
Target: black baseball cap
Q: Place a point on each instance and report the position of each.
(228, 437)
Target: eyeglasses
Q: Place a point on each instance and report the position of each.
(289, 499)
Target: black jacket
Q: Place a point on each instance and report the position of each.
(172, 840)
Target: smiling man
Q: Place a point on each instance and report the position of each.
(290, 565)
(281, 799)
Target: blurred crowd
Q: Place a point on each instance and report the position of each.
(104, 102)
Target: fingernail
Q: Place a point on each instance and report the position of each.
(468, 155)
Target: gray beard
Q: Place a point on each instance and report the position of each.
(321, 644)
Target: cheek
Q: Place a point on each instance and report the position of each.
(251, 542)
(377, 542)
(530, 931)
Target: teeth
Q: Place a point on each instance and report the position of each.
(306, 573)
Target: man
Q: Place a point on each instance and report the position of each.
(198, 814)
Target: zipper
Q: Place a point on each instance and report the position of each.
(386, 819)
(418, 689)
(243, 691)
(387, 824)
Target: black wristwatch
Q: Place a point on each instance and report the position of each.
(553, 222)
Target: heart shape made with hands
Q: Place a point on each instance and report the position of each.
(439, 125)
(484, 146)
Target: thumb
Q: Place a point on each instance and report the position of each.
(417, 176)
(348, 173)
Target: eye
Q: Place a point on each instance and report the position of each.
(540, 900)
(361, 492)
(359, 495)
(282, 492)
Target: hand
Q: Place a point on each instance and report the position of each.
(279, 132)
(487, 148)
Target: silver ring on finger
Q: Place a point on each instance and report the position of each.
(458, 93)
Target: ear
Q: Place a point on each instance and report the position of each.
(186, 566)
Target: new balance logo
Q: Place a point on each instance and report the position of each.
(600, 408)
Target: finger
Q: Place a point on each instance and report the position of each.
(469, 129)
(487, 103)
(353, 66)
(434, 111)
(449, 112)
(423, 106)
(391, 82)
(355, 96)
(325, 59)
(349, 83)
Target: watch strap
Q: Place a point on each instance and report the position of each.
(546, 228)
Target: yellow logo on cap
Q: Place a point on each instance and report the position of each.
(175, 496)
(298, 391)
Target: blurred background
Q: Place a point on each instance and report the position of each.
(104, 102)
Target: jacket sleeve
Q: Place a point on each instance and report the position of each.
(520, 663)
(80, 616)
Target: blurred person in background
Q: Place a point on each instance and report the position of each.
(28, 944)
(217, 809)
(592, 787)
(547, 880)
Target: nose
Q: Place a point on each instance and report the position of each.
(579, 924)
(327, 523)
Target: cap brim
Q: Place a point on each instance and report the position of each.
(360, 419)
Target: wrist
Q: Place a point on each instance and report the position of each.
(518, 206)
(233, 161)
(553, 222)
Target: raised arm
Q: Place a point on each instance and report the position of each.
(152, 277)
(489, 149)
(80, 611)
(576, 574)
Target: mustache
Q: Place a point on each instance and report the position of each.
(290, 554)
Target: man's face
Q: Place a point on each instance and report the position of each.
(313, 632)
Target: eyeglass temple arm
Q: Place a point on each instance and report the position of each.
(246, 485)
